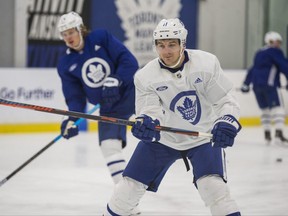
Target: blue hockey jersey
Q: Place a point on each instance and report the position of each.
(83, 73)
(267, 65)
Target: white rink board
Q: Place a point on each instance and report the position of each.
(42, 86)
(37, 86)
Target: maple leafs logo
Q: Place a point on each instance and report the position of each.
(188, 110)
(139, 19)
(187, 105)
(96, 72)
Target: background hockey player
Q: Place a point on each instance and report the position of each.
(185, 89)
(264, 75)
(97, 68)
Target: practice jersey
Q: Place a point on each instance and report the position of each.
(190, 99)
(83, 73)
(267, 65)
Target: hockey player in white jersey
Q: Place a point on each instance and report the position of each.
(185, 89)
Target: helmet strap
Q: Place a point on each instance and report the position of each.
(179, 59)
(80, 43)
(81, 40)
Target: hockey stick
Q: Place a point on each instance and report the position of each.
(44, 148)
(238, 89)
(100, 118)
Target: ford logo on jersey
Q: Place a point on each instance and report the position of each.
(162, 88)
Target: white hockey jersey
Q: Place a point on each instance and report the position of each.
(191, 99)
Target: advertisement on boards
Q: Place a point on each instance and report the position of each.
(44, 44)
(131, 21)
(38, 86)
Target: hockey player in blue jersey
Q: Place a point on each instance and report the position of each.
(98, 69)
(264, 75)
(185, 89)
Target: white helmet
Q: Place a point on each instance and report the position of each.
(171, 29)
(69, 20)
(272, 36)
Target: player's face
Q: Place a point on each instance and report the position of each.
(71, 37)
(277, 44)
(168, 51)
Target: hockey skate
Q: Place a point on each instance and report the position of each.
(267, 135)
(280, 139)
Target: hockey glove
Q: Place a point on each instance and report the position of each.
(245, 88)
(110, 91)
(144, 129)
(68, 129)
(224, 131)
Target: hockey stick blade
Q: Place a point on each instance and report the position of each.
(43, 149)
(99, 118)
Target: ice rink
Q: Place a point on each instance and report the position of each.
(71, 178)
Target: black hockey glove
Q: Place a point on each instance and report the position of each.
(245, 88)
(68, 129)
(224, 131)
(111, 91)
(144, 129)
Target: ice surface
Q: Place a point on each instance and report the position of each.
(71, 178)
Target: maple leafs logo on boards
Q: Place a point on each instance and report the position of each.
(139, 19)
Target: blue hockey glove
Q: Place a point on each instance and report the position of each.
(110, 90)
(245, 88)
(144, 129)
(224, 131)
(69, 130)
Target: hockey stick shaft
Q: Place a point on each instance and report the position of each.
(43, 149)
(238, 89)
(99, 118)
